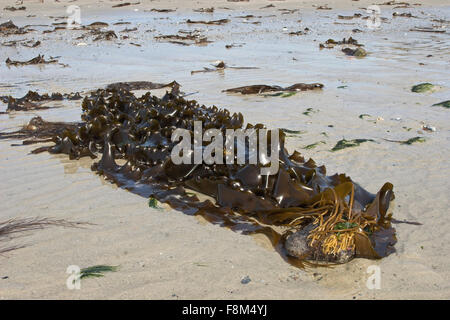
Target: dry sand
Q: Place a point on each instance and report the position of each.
(164, 254)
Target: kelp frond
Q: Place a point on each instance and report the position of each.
(15, 227)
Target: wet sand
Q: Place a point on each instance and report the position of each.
(164, 254)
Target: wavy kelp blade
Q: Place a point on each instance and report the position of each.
(424, 87)
(342, 144)
(380, 243)
(37, 60)
(261, 88)
(313, 145)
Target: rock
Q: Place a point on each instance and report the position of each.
(317, 276)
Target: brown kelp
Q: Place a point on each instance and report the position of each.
(213, 22)
(8, 28)
(36, 60)
(12, 228)
(307, 214)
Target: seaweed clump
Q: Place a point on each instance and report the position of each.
(33, 100)
(307, 214)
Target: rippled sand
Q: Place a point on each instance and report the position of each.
(165, 254)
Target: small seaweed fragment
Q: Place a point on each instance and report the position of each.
(331, 43)
(124, 4)
(220, 65)
(25, 43)
(234, 45)
(163, 10)
(356, 15)
(103, 35)
(96, 271)
(324, 7)
(424, 87)
(288, 94)
(8, 28)
(313, 145)
(98, 24)
(152, 202)
(445, 104)
(11, 8)
(403, 14)
(309, 111)
(191, 37)
(342, 144)
(413, 140)
(428, 29)
(408, 141)
(37, 60)
(31, 44)
(293, 131)
(299, 33)
(128, 30)
(199, 264)
(393, 3)
(204, 10)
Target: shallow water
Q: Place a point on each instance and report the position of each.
(378, 85)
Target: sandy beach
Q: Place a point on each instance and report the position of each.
(165, 254)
